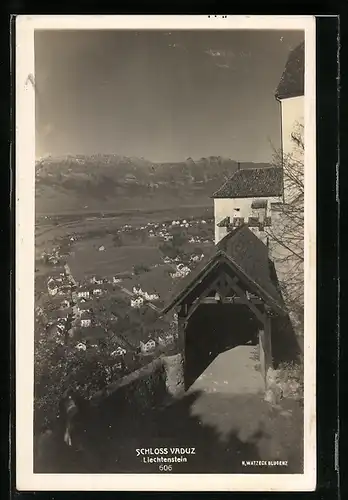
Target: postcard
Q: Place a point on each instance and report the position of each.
(165, 253)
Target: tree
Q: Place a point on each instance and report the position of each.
(60, 366)
(286, 235)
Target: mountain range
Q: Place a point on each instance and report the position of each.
(113, 182)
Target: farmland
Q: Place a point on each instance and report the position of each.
(138, 250)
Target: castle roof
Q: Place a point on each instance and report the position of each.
(292, 81)
(251, 183)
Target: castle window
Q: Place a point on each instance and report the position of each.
(259, 210)
(238, 221)
(253, 222)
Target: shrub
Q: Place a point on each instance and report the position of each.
(117, 240)
(141, 268)
(290, 379)
(58, 367)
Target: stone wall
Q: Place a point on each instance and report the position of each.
(152, 385)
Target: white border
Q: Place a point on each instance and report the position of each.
(25, 224)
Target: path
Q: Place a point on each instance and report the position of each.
(229, 398)
(232, 372)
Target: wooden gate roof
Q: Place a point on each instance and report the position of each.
(248, 257)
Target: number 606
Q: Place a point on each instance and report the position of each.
(165, 468)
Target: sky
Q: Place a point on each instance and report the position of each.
(163, 96)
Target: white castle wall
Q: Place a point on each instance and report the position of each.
(225, 207)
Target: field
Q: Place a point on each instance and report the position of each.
(134, 245)
(157, 280)
(86, 260)
(51, 228)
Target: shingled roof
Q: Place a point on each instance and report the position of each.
(252, 182)
(248, 256)
(292, 81)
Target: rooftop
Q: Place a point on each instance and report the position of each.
(248, 257)
(292, 81)
(253, 182)
(259, 204)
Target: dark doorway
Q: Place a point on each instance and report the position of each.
(215, 328)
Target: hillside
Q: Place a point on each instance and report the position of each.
(112, 182)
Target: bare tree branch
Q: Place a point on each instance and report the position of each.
(286, 235)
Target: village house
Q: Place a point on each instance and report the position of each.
(148, 346)
(85, 306)
(120, 351)
(181, 271)
(65, 304)
(96, 280)
(85, 322)
(52, 288)
(151, 297)
(165, 339)
(81, 346)
(64, 289)
(137, 303)
(113, 317)
(60, 327)
(83, 292)
(85, 319)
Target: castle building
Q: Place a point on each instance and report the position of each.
(247, 198)
(290, 95)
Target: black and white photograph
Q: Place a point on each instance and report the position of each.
(166, 246)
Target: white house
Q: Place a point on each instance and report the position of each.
(97, 281)
(120, 351)
(85, 322)
(52, 286)
(52, 290)
(147, 346)
(80, 346)
(150, 296)
(137, 303)
(83, 293)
